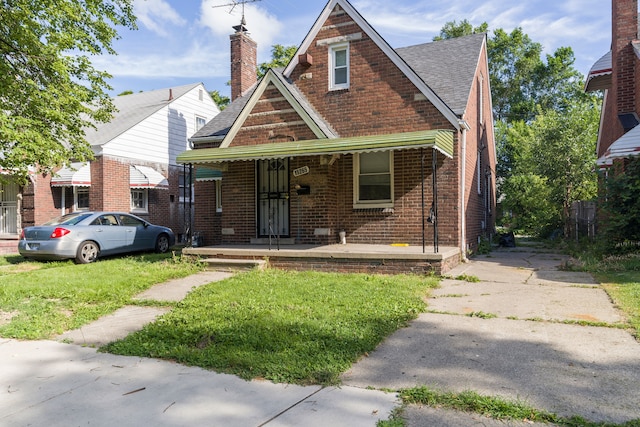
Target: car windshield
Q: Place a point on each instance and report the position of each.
(69, 219)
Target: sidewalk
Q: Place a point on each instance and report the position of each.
(505, 336)
(48, 383)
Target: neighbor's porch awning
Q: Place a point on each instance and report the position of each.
(76, 175)
(442, 140)
(146, 177)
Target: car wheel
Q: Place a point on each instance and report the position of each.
(87, 252)
(162, 244)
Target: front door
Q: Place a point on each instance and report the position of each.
(273, 198)
(8, 208)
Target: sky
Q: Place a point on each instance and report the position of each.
(187, 41)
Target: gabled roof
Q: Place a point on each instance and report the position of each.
(447, 66)
(134, 108)
(383, 45)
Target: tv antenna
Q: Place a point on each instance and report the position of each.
(233, 5)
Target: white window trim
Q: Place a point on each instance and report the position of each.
(332, 51)
(370, 204)
(218, 195)
(75, 199)
(145, 200)
(203, 121)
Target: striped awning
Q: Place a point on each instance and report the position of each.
(146, 177)
(626, 146)
(442, 140)
(76, 175)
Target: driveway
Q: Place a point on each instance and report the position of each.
(515, 334)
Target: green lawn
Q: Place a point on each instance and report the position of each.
(282, 326)
(39, 300)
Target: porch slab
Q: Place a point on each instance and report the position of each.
(384, 259)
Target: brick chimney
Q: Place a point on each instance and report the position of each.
(244, 61)
(624, 31)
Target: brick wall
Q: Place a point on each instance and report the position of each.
(244, 63)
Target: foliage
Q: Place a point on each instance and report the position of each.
(495, 407)
(50, 92)
(280, 57)
(46, 299)
(221, 101)
(296, 327)
(454, 29)
(621, 204)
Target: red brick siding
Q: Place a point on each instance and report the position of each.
(244, 63)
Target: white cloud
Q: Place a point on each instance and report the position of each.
(196, 61)
(263, 27)
(156, 14)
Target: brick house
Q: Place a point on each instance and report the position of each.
(389, 146)
(617, 73)
(134, 169)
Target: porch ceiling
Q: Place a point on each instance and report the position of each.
(442, 140)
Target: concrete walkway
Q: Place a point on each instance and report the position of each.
(502, 336)
(48, 383)
(505, 336)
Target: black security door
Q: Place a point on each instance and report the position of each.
(273, 198)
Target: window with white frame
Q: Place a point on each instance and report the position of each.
(139, 200)
(81, 198)
(339, 66)
(373, 178)
(219, 195)
(200, 122)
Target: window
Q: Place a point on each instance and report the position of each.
(185, 191)
(373, 178)
(339, 67)
(200, 95)
(481, 98)
(219, 195)
(200, 122)
(81, 198)
(139, 200)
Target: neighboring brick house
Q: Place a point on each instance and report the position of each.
(351, 136)
(617, 73)
(134, 169)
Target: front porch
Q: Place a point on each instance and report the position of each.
(348, 258)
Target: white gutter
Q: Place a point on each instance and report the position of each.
(464, 127)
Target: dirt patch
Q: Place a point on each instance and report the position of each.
(7, 316)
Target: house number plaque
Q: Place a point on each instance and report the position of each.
(301, 171)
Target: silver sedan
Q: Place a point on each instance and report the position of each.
(84, 236)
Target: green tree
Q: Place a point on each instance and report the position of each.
(49, 90)
(546, 127)
(280, 57)
(621, 204)
(221, 101)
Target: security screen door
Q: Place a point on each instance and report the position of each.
(273, 198)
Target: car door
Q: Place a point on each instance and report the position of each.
(108, 233)
(137, 235)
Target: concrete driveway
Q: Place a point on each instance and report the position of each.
(513, 334)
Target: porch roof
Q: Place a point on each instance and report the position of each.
(441, 140)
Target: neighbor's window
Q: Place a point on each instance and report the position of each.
(339, 67)
(373, 177)
(200, 122)
(219, 195)
(81, 196)
(139, 200)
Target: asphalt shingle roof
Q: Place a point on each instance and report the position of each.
(132, 109)
(447, 67)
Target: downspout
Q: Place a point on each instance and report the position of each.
(464, 127)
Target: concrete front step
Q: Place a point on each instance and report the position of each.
(224, 264)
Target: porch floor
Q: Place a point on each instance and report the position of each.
(350, 257)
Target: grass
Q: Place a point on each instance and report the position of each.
(290, 327)
(493, 407)
(39, 300)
